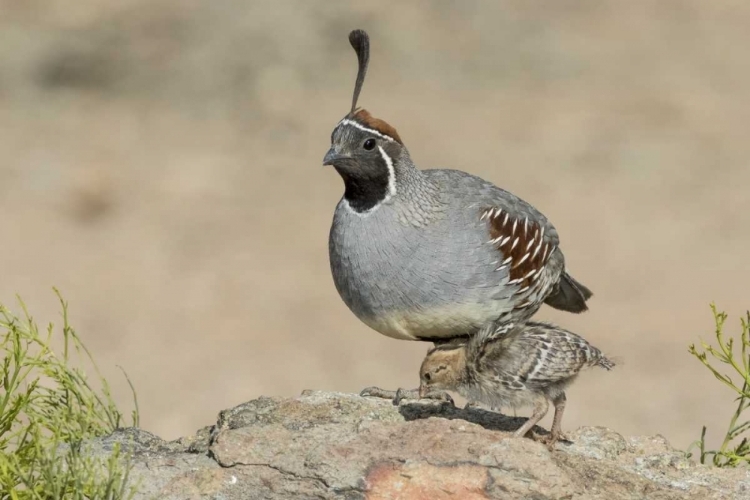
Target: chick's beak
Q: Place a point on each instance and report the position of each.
(332, 156)
(423, 391)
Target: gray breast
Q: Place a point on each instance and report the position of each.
(409, 282)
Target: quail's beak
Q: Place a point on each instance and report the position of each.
(332, 157)
(423, 390)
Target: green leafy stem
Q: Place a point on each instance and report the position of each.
(734, 449)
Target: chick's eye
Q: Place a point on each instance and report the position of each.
(369, 144)
(427, 377)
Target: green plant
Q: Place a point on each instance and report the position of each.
(48, 408)
(731, 452)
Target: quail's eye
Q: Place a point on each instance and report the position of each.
(427, 377)
(369, 144)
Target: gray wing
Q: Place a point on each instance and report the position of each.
(508, 249)
(477, 195)
(526, 243)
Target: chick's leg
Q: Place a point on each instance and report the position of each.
(400, 394)
(556, 431)
(540, 410)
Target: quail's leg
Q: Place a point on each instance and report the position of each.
(556, 431)
(399, 394)
(540, 410)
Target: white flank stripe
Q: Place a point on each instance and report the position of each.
(523, 259)
(536, 251)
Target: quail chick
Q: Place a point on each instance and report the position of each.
(528, 364)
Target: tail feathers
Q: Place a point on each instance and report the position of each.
(569, 295)
(605, 363)
(595, 357)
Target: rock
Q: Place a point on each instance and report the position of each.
(329, 446)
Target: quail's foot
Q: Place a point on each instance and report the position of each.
(400, 394)
(550, 439)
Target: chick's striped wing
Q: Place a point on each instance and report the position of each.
(489, 340)
(553, 355)
(495, 349)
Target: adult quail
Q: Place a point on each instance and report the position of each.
(520, 365)
(434, 255)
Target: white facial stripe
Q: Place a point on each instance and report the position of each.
(366, 129)
(391, 174)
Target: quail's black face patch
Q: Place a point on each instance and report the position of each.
(365, 165)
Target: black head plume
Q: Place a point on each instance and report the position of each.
(360, 41)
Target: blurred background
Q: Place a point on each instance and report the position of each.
(160, 163)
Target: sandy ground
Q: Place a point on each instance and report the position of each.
(160, 163)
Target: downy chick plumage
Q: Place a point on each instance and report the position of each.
(529, 364)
